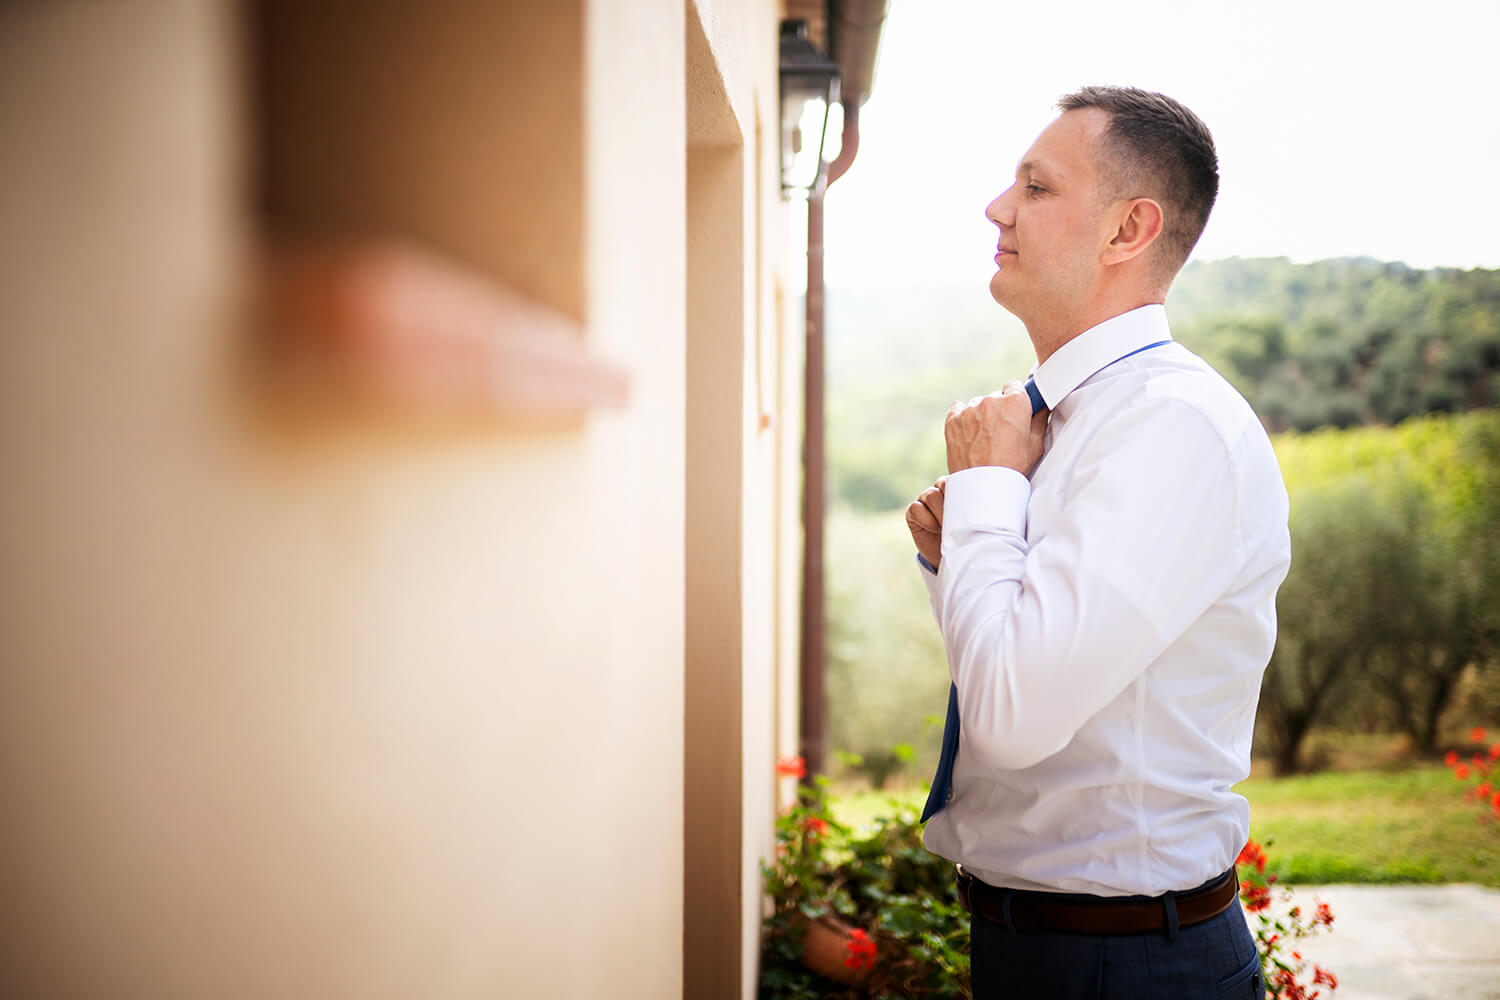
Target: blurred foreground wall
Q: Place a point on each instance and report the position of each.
(320, 695)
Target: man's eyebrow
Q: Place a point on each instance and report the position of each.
(1033, 166)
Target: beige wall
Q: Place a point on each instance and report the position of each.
(346, 706)
(738, 444)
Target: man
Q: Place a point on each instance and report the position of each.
(1103, 558)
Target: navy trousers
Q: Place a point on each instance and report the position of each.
(1216, 958)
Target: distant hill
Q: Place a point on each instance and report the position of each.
(1338, 342)
(1344, 342)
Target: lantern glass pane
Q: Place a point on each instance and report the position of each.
(800, 144)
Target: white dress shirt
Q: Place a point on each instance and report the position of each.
(1107, 625)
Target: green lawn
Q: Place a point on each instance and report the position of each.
(1373, 826)
(1362, 826)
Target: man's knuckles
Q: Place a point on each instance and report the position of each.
(1009, 407)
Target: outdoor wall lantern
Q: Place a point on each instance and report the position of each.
(809, 89)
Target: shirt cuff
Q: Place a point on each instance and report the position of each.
(987, 495)
(929, 567)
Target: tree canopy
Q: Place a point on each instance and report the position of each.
(1338, 343)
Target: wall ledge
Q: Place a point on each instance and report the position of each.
(404, 330)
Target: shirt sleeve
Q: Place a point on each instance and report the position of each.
(930, 581)
(1040, 639)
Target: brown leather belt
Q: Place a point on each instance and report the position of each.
(1029, 912)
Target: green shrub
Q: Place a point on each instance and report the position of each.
(879, 879)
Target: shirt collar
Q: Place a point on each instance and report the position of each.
(1097, 347)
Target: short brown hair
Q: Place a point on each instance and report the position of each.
(1155, 147)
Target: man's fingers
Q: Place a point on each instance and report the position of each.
(1006, 404)
(932, 499)
(926, 532)
(920, 517)
(1008, 389)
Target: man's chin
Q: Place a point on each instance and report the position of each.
(1000, 293)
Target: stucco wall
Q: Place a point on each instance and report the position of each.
(353, 706)
(740, 442)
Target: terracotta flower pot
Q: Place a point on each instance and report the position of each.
(826, 950)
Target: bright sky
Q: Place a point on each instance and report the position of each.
(1343, 128)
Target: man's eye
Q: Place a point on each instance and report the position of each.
(1035, 189)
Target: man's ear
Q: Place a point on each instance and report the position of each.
(1138, 229)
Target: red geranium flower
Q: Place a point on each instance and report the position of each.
(1252, 854)
(1285, 982)
(1450, 758)
(815, 825)
(861, 950)
(1476, 735)
(1322, 976)
(1461, 772)
(791, 767)
(1255, 897)
(1324, 915)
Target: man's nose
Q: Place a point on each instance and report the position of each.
(999, 211)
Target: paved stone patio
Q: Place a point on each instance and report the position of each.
(1438, 942)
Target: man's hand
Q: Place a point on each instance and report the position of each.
(925, 519)
(997, 429)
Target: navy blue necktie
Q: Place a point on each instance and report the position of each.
(942, 782)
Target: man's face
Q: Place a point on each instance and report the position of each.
(1052, 222)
